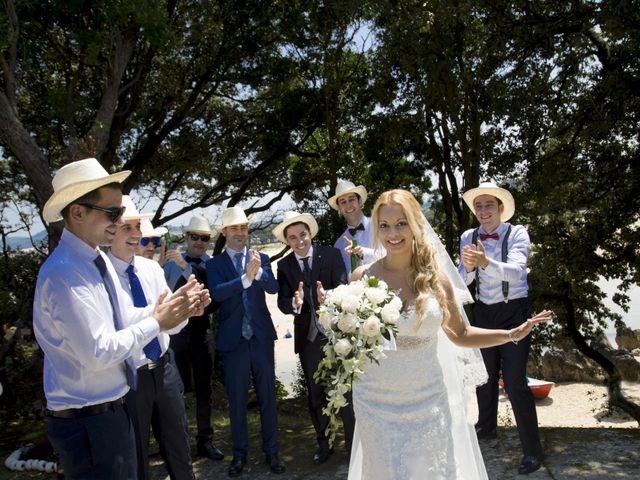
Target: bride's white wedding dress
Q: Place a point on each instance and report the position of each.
(411, 420)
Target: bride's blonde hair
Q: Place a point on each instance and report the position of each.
(424, 274)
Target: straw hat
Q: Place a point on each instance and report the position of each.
(233, 216)
(295, 217)
(147, 230)
(131, 212)
(198, 224)
(342, 188)
(490, 188)
(75, 180)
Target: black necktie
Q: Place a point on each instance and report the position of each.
(194, 260)
(117, 321)
(353, 231)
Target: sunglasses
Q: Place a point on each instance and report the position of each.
(145, 241)
(202, 238)
(113, 213)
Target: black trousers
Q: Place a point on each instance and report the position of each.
(193, 352)
(158, 403)
(512, 360)
(310, 357)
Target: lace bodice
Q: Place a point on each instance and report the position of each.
(412, 333)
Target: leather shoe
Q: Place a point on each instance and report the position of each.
(322, 455)
(236, 465)
(529, 464)
(207, 449)
(274, 462)
(483, 434)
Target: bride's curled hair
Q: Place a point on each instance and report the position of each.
(424, 274)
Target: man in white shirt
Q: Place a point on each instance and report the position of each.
(157, 400)
(348, 201)
(78, 323)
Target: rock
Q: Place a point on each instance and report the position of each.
(560, 365)
(627, 338)
(626, 364)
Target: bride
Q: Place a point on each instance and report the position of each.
(411, 407)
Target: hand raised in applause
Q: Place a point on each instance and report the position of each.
(321, 293)
(253, 267)
(352, 250)
(298, 297)
(186, 302)
(474, 257)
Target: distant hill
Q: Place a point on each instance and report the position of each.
(22, 241)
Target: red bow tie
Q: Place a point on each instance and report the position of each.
(493, 236)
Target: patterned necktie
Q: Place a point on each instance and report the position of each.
(131, 373)
(353, 231)
(492, 236)
(247, 331)
(152, 349)
(314, 328)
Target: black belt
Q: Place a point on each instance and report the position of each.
(162, 361)
(85, 411)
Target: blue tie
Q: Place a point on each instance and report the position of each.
(247, 331)
(130, 371)
(152, 350)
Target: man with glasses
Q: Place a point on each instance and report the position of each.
(193, 346)
(79, 322)
(152, 238)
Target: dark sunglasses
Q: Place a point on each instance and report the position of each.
(113, 213)
(145, 241)
(202, 238)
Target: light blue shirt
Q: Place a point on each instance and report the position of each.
(172, 272)
(513, 271)
(153, 284)
(364, 239)
(73, 323)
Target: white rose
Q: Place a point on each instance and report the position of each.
(348, 323)
(325, 319)
(396, 302)
(375, 295)
(383, 285)
(342, 347)
(356, 288)
(371, 326)
(390, 314)
(350, 303)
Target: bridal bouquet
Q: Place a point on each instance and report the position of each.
(357, 319)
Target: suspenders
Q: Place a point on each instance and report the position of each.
(505, 285)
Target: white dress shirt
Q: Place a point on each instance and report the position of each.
(153, 283)
(514, 270)
(73, 323)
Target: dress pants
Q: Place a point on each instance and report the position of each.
(255, 358)
(158, 403)
(310, 358)
(193, 351)
(512, 359)
(99, 447)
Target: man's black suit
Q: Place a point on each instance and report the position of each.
(327, 267)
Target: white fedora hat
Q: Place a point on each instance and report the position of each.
(290, 218)
(233, 216)
(75, 180)
(198, 224)
(147, 230)
(131, 212)
(490, 188)
(342, 188)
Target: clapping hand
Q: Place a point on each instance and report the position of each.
(322, 293)
(353, 250)
(473, 257)
(253, 267)
(520, 332)
(298, 297)
(186, 302)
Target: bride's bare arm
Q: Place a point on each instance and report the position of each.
(474, 337)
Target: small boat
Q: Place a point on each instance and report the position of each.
(539, 388)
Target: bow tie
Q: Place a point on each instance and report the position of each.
(193, 260)
(353, 231)
(492, 236)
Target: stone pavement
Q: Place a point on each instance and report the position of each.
(586, 453)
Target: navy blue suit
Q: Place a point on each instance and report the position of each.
(242, 357)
